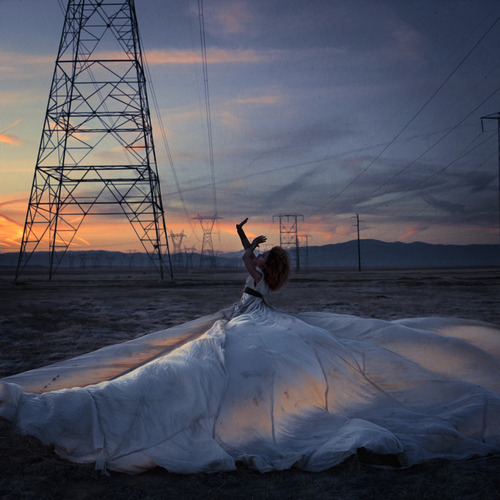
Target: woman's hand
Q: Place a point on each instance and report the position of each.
(257, 241)
(241, 224)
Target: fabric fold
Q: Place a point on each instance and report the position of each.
(272, 390)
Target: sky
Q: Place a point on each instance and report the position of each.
(327, 109)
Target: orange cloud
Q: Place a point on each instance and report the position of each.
(12, 202)
(10, 139)
(15, 58)
(214, 56)
(265, 99)
(336, 233)
(16, 66)
(412, 230)
(85, 242)
(11, 233)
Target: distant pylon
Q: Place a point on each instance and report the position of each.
(306, 238)
(207, 248)
(189, 252)
(177, 251)
(288, 233)
(96, 152)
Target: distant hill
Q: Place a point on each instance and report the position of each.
(374, 254)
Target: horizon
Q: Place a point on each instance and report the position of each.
(292, 249)
(374, 254)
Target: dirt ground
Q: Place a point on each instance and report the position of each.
(43, 321)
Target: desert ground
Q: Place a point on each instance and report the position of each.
(78, 311)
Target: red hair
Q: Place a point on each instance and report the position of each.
(277, 268)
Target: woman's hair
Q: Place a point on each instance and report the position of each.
(277, 269)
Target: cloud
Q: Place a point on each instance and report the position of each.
(10, 139)
(446, 206)
(404, 42)
(479, 181)
(263, 99)
(12, 202)
(335, 233)
(15, 58)
(15, 65)
(19, 98)
(10, 232)
(214, 56)
(234, 18)
(412, 230)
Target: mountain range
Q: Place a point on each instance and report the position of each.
(373, 254)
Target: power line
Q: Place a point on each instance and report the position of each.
(165, 140)
(397, 174)
(496, 116)
(272, 170)
(207, 99)
(446, 80)
(464, 178)
(440, 171)
(462, 155)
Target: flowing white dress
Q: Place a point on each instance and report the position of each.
(270, 389)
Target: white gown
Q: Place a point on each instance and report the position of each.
(270, 389)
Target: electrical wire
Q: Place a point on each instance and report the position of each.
(163, 133)
(415, 115)
(207, 100)
(468, 150)
(61, 5)
(397, 174)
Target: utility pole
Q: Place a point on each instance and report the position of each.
(96, 153)
(495, 116)
(359, 245)
(288, 233)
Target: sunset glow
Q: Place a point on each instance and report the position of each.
(328, 110)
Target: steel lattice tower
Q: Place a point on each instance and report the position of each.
(96, 153)
(177, 250)
(207, 248)
(288, 233)
(189, 252)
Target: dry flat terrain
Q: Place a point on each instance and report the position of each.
(43, 321)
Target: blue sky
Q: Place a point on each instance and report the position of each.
(323, 108)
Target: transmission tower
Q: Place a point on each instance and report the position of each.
(288, 233)
(96, 154)
(189, 252)
(177, 242)
(306, 238)
(207, 248)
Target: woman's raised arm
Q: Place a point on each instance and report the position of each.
(241, 233)
(249, 258)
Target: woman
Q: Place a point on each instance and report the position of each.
(273, 390)
(268, 271)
